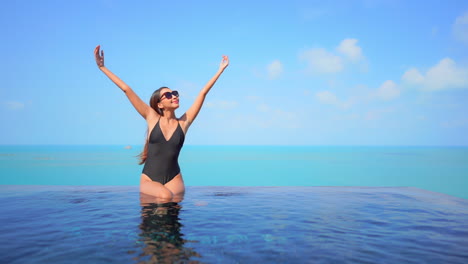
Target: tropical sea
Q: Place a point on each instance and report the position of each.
(243, 204)
(437, 169)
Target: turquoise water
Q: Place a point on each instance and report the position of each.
(438, 169)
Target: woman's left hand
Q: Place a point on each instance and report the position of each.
(99, 58)
(224, 63)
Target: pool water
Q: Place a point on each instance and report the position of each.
(113, 224)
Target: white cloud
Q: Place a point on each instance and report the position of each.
(349, 49)
(460, 28)
(413, 76)
(274, 69)
(327, 97)
(445, 75)
(330, 98)
(321, 61)
(14, 105)
(388, 91)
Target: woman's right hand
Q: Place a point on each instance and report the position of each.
(99, 58)
(224, 63)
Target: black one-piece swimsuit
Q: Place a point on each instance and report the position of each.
(162, 163)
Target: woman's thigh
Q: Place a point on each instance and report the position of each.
(177, 187)
(155, 189)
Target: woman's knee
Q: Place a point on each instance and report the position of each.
(156, 190)
(166, 195)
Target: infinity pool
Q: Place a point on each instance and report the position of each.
(103, 224)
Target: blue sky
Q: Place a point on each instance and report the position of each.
(301, 72)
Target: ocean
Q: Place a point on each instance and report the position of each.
(437, 169)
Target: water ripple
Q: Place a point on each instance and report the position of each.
(234, 225)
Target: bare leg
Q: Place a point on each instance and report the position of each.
(155, 189)
(173, 191)
(177, 187)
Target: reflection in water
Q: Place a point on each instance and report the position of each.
(161, 237)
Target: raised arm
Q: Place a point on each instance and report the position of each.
(142, 108)
(193, 111)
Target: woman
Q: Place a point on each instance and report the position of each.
(161, 177)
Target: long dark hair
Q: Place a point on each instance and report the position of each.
(154, 100)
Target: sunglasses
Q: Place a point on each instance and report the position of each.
(169, 95)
